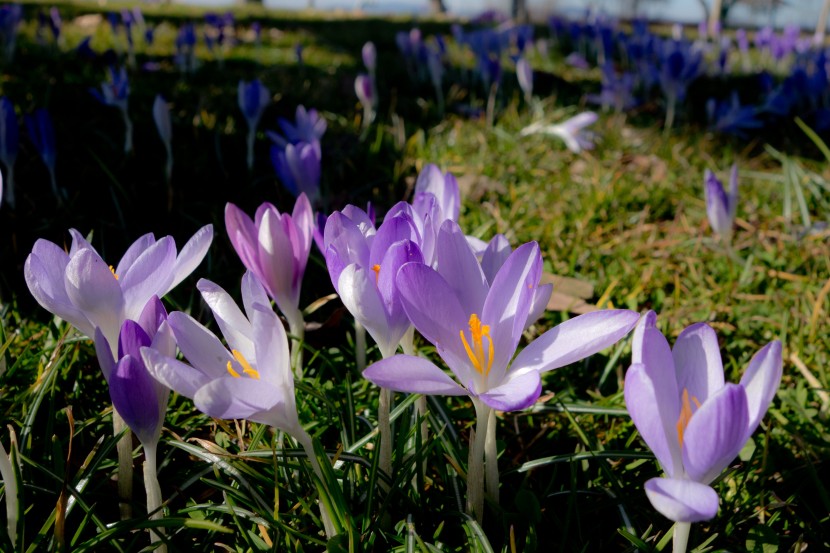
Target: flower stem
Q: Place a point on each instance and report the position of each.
(128, 132)
(360, 346)
(408, 346)
(251, 137)
(10, 483)
(491, 461)
(154, 501)
(308, 446)
(125, 464)
(296, 325)
(475, 464)
(680, 539)
(385, 431)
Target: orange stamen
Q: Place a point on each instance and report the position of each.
(478, 332)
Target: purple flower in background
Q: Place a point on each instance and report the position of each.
(524, 73)
(370, 57)
(720, 204)
(42, 134)
(9, 144)
(82, 289)
(115, 92)
(364, 87)
(308, 126)
(10, 17)
(161, 116)
(185, 57)
(692, 420)
(572, 131)
(274, 246)
(253, 99)
(298, 167)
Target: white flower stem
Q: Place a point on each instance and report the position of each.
(491, 461)
(251, 137)
(296, 325)
(308, 446)
(670, 111)
(680, 539)
(10, 483)
(360, 346)
(9, 185)
(125, 465)
(385, 432)
(408, 346)
(128, 132)
(168, 175)
(154, 501)
(475, 464)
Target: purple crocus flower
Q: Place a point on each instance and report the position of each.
(298, 167)
(42, 134)
(275, 247)
(571, 131)
(692, 420)
(186, 48)
(720, 204)
(253, 99)
(115, 92)
(161, 116)
(9, 144)
(308, 126)
(82, 289)
(524, 73)
(250, 378)
(370, 57)
(444, 186)
(364, 87)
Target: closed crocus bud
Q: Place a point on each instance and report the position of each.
(370, 57)
(525, 75)
(720, 204)
(161, 115)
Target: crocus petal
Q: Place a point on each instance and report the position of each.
(148, 275)
(276, 242)
(303, 218)
(136, 249)
(642, 401)
(93, 289)
(131, 339)
(494, 256)
(360, 295)
(576, 339)
(191, 255)
(433, 308)
(253, 293)
(458, 265)
(394, 229)
(647, 322)
(682, 500)
(179, 377)
(232, 323)
(520, 390)
(134, 396)
(104, 354)
(238, 398)
(411, 374)
(697, 361)
(761, 381)
(715, 434)
(243, 236)
(539, 303)
(199, 345)
(152, 316)
(271, 344)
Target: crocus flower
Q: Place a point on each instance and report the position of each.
(12, 489)
(275, 247)
(42, 135)
(9, 143)
(572, 131)
(161, 115)
(251, 378)
(308, 126)
(298, 167)
(692, 420)
(115, 92)
(476, 327)
(364, 87)
(186, 48)
(720, 204)
(370, 57)
(82, 289)
(524, 73)
(253, 99)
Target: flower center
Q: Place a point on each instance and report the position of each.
(376, 269)
(246, 367)
(685, 414)
(112, 270)
(475, 352)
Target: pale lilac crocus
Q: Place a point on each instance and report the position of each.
(370, 57)
(249, 379)
(12, 486)
(308, 126)
(364, 87)
(138, 398)
(476, 327)
(92, 296)
(524, 74)
(115, 92)
(253, 98)
(571, 131)
(299, 168)
(721, 204)
(693, 421)
(161, 116)
(274, 246)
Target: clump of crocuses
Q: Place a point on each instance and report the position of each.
(693, 421)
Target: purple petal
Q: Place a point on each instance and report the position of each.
(715, 434)
(191, 255)
(359, 293)
(131, 339)
(104, 353)
(697, 361)
(494, 256)
(411, 374)
(152, 316)
(134, 396)
(234, 326)
(539, 303)
(272, 353)
(199, 345)
(136, 249)
(280, 273)
(394, 229)
(518, 391)
(682, 500)
(647, 322)
(179, 377)
(761, 381)
(458, 265)
(717, 204)
(643, 404)
(239, 398)
(94, 290)
(253, 293)
(243, 236)
(149, 275)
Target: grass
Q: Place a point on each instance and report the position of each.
(628, 218)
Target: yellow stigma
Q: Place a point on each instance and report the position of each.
(685, 414)
(376, 269)
(112, 270)
(476, 353)
(246, 367)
